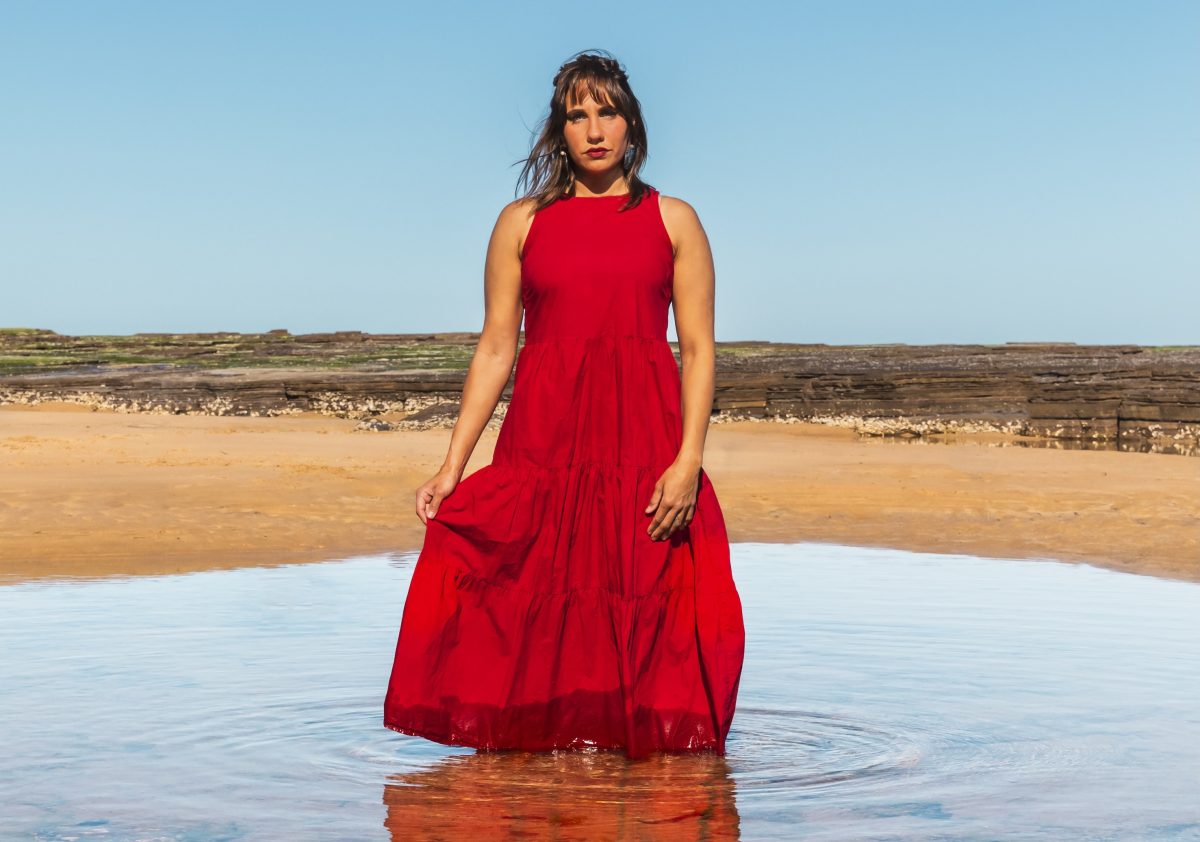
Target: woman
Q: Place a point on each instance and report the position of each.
(576, 592)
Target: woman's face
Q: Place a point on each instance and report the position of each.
(592, 125)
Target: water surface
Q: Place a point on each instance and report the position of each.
(886, 695)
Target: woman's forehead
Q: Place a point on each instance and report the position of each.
(581, 95)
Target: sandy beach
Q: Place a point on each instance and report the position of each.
(95, 493)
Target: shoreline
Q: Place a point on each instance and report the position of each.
(94, 493)
(1134, 397)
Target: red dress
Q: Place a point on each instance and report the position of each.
(541, 614)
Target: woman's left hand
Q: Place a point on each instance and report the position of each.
(673, 502)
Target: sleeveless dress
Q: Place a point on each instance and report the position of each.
(541, 615)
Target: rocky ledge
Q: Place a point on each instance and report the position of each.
(1123, 396)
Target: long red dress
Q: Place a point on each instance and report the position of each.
(541, 614)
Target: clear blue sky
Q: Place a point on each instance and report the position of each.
(867, 171)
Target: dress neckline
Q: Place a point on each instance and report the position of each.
(613, 196)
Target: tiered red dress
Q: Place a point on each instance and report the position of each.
(541, 615)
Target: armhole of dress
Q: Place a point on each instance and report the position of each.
(662, 226)
(524, 252)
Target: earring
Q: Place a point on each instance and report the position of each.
(570, 171)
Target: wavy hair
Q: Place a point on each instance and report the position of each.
(548, 175)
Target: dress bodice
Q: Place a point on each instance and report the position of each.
(596, 381)
(590, 269)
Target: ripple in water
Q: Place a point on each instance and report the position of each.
(779, 752)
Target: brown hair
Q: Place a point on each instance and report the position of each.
(548, 175)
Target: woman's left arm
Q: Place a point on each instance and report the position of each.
(674, 501)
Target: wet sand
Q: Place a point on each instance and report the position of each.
(97, 493)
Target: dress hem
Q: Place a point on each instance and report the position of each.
(481, 745)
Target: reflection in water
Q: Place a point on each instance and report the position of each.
(885, 695)
(582, 795)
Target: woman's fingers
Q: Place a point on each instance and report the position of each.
(434, 503)
(655, 498)
(432, 493)
(423, 498)
(666, 522)
(685, 517)
(661, 512)
(675, 518)
(661, 528)
(671, 512)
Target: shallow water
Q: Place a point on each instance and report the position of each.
(886, 695)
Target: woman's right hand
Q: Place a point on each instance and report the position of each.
(431, 494)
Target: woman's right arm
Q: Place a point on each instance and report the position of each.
(492, 363)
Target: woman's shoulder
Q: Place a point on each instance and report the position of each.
(515, 217)
(517, 211)
(516, 220)
(675, 206)
(678, 215)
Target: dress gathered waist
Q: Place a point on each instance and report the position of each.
(598, 337)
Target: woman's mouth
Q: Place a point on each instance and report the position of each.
(598, 152)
